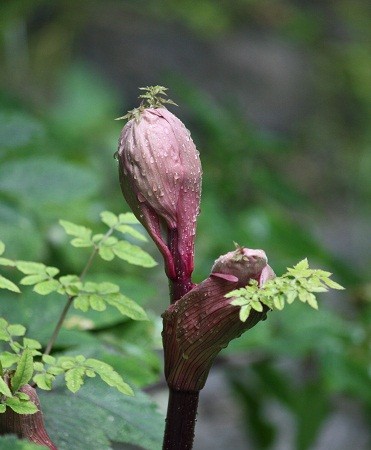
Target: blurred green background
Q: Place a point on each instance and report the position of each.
(277, 95)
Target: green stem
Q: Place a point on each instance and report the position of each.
(71, 298)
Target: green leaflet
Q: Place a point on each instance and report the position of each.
(133, 254)
(21, 406)
(83, 235)
(74, 378)
(24, 371)
(7, 284)
(4, 389)
(298, 282)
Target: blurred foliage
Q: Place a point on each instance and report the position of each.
(58, 136)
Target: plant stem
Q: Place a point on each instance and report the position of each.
(182, 284)
(70, 298)
(180, 420)
(182, 405)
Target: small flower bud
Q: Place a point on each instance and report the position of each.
(160, 177)
(202, 322)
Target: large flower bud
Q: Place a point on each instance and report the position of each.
(160, 176)
(202, 322)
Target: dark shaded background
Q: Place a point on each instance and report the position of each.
(277, 96)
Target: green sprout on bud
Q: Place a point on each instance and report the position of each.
(153, 97)
(298, 282)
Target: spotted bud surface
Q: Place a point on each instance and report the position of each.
(160, 177)
(202, 322)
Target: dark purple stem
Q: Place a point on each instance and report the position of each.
(180, 420)
(182, 284)
(182, 405)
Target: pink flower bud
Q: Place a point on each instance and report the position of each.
(202, 322)
(160, 176)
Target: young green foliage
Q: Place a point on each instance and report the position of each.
(109, 246)
(4, 282)
(75, 369)
(11, 381)
(298, 282)
(17, 366)
(39, 275)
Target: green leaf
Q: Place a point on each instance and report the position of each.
(7, 262)
(128, 218)
(126, 306)
(311, 299)
(44, 381)
(33, 279)
(8, 359)
(106, 253)
(20, 406)
(133, 254)
(109, 218)
(109, 376)
(2, 247)
(48, 359)
(2, 410)
(97, 303)
(9, 442)
(257, 306)
(4, 335)
(22, 396)
(7, 284)
(123, 419)
(278, 302)
(80, 242)
(126, 229)
(30, 268)
(52, 271)
(108, 288)
(74, 378)
(332, 284)
(31, 344)
(16, 330)
(81, 302)
(244, 313)
(4, 388)
(24, 370)
(76, 230)
(302, 265)
(239, 301)
(46, 287)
